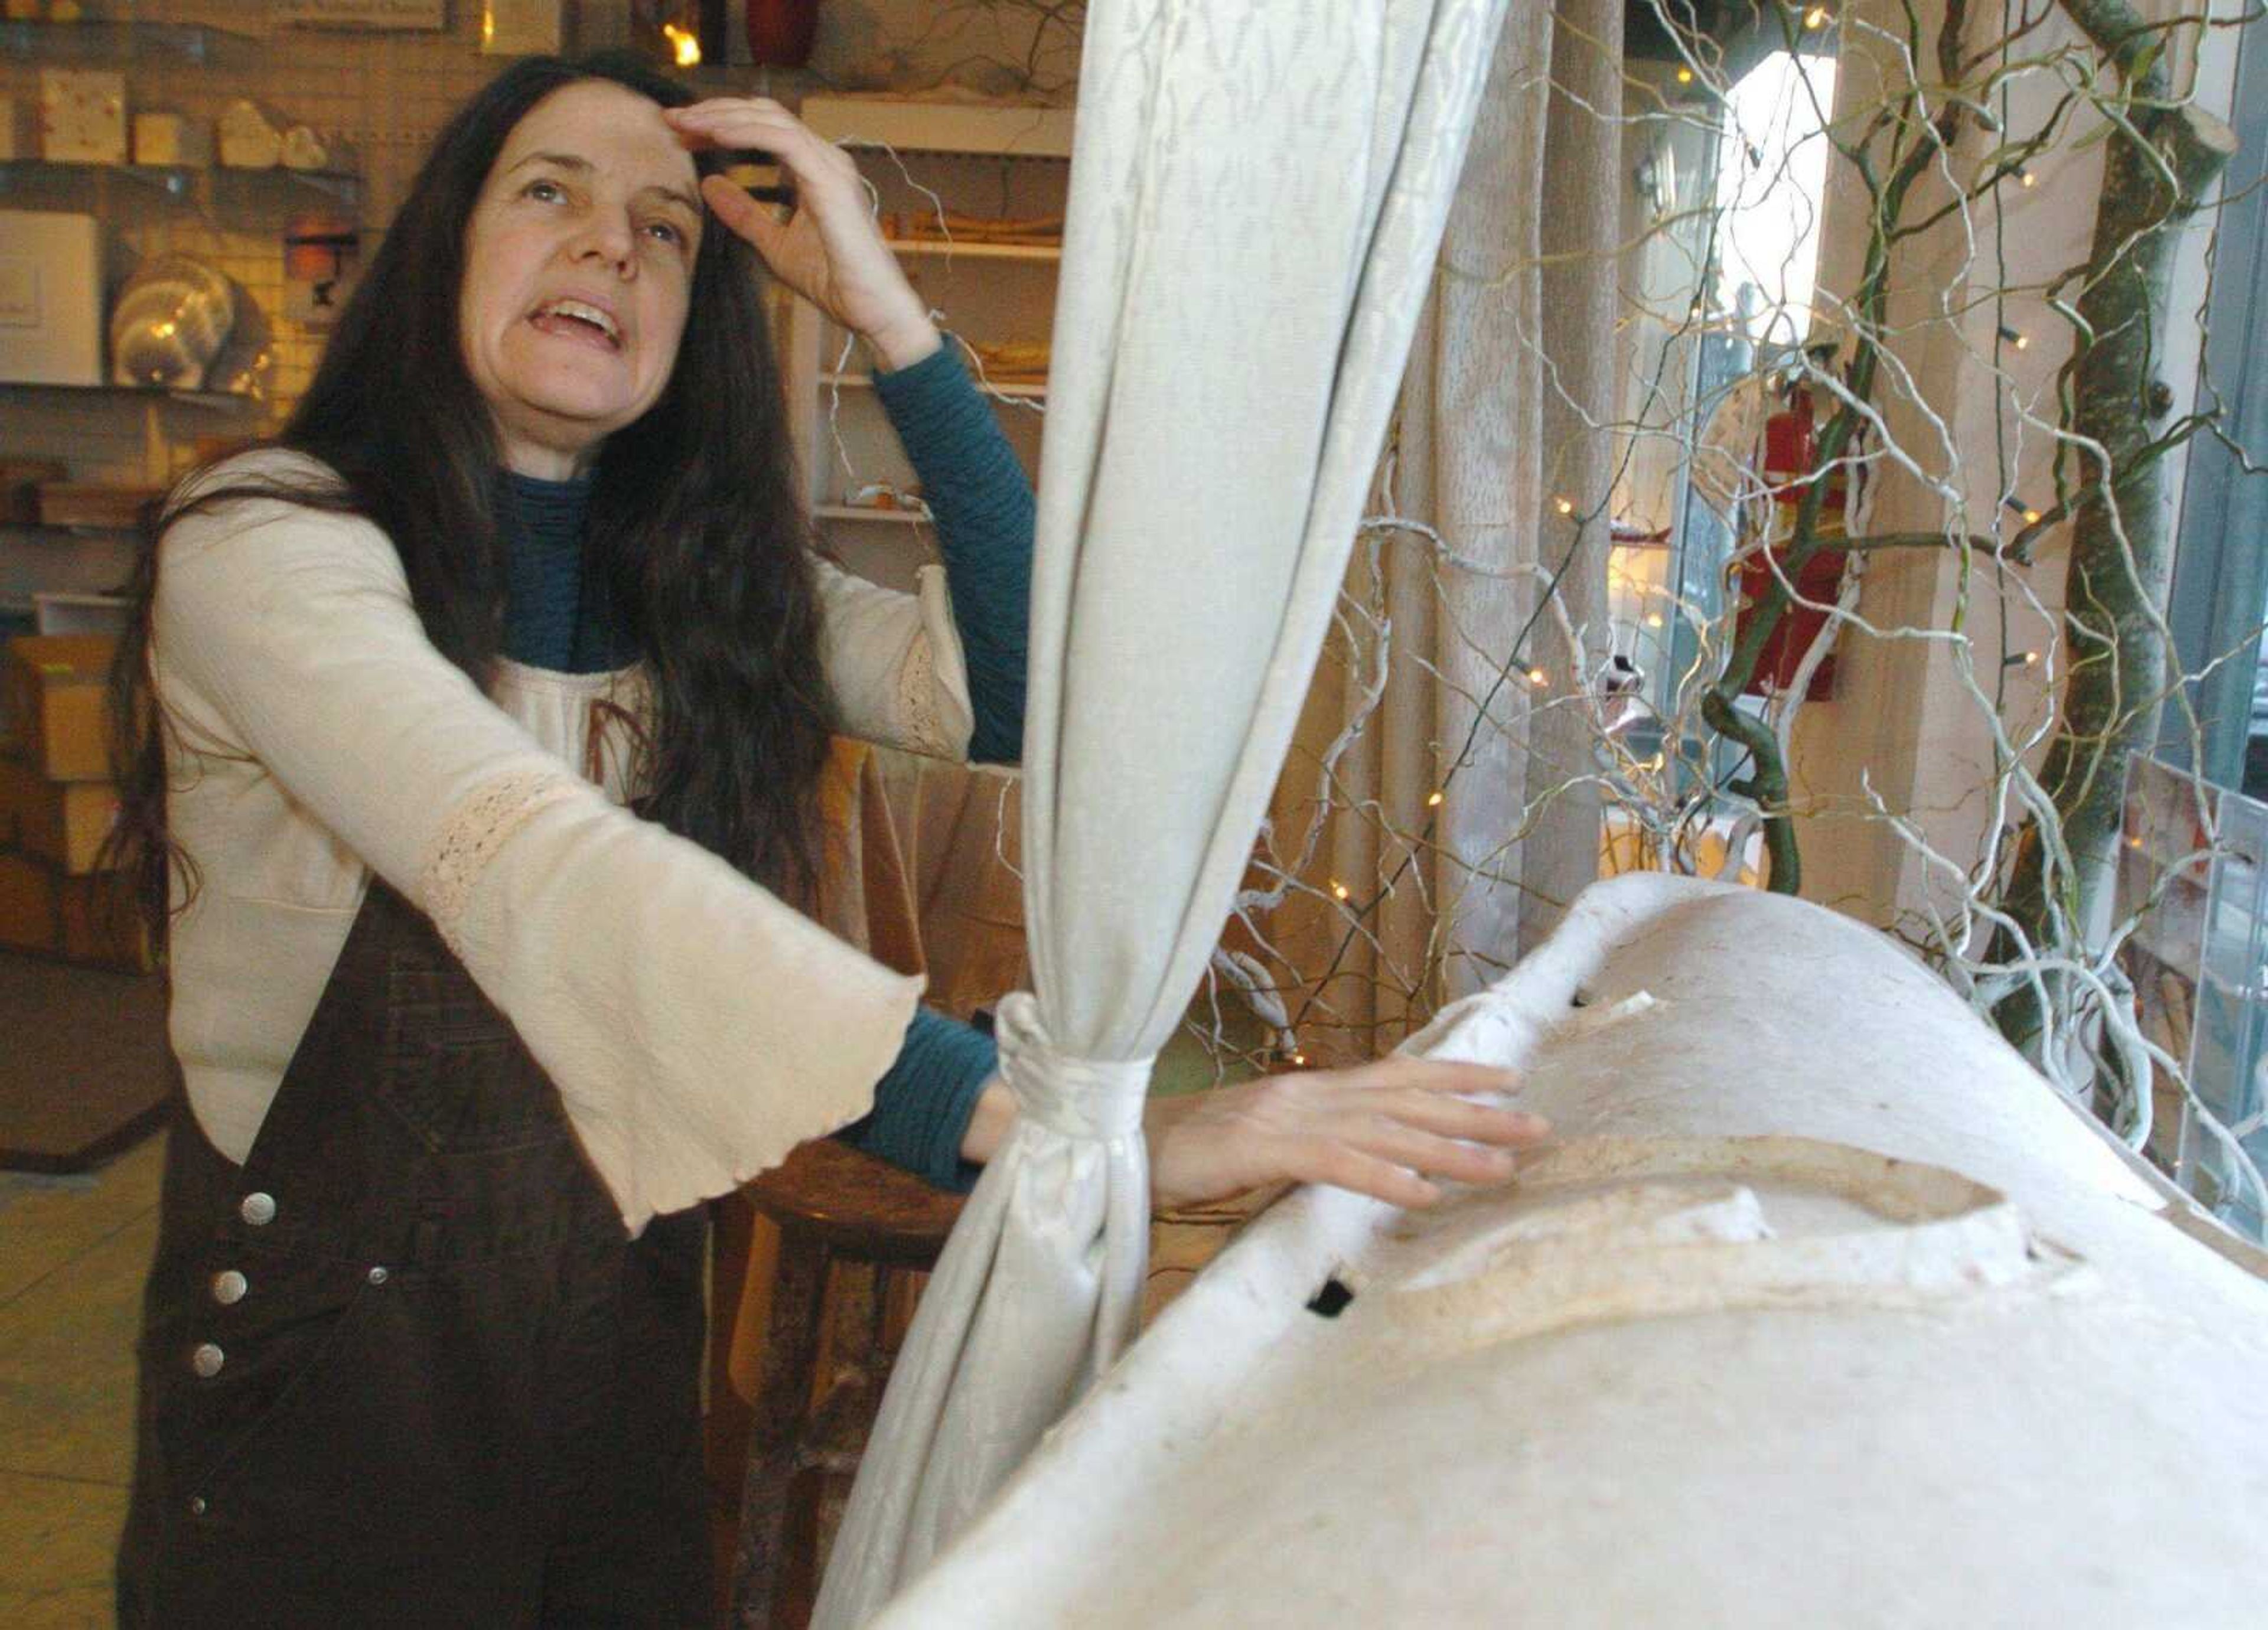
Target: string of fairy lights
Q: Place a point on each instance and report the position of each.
(1295, 986)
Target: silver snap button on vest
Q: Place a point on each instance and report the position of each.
(197, 1506)
(207, 1360)
(378, 1276)
(258, 1209)
(228, 1288)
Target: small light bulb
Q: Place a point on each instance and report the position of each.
(1338, 890)
(2031, 518)
(685, 44)
(2031, 658)
(1299, 1057)
(1537, 677)
(1433, 800)
(1565, 505)
(1654, 619)
(2026, 178)
(1685, 76)
(1815, 18)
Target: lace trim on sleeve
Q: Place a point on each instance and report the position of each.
(471, 837)
(917, 700)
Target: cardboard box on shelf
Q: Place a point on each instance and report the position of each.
(82, 919)
(28, 907)
(57, 691)
(19, 488)
(63, 822)
(163, 136)
(94, 505)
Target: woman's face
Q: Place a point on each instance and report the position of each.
(579, 262)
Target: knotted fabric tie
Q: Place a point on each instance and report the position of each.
(1098, 1098)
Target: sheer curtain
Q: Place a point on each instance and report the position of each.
(1258, 194)
(1511, 366)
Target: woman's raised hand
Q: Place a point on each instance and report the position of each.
(1392, 1128)
(828, 250)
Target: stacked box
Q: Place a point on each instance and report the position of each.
(58, 804)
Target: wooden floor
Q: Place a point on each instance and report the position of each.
(74, 1252)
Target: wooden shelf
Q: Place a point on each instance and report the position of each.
(959, 251)
(881, 517)
(986, 130)
(186, 180)
(230, 400)
(866, 381)
(108, 42)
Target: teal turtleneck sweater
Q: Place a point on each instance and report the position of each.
(557, 616)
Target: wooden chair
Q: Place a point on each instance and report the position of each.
(817, 1265)
(834, 1208)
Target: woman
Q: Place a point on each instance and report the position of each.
(467, 1041)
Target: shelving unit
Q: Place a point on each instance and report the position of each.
(121, 435)
(1004, 161)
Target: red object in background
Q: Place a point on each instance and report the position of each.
(780, 31)
(1819, 582)
(1790, 452)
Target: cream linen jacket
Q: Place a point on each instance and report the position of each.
(697, 1027)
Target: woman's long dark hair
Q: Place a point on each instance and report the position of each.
(693, 518)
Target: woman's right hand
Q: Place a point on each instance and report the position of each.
(1394, 1128)
(828, 250)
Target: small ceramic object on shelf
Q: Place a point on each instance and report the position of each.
(306, 148)
(249, 139)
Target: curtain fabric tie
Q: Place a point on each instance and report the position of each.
(1086, 1098)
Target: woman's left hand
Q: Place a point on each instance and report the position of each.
(1392, 1128)
(828, 250)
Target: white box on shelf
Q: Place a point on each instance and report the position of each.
(82, 115)
(80, 614)
(50, 298)
(166, 137)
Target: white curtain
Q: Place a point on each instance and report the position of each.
(1257, 195)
